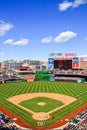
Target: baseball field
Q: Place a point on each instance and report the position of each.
(42, 103)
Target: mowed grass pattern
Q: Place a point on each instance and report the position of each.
(76, 90)
(49, 105)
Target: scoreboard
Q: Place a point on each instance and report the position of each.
(61, 61)
(63, 64)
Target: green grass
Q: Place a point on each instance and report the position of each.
(76, 90)
(50, 104)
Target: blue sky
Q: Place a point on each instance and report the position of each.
(31, 29)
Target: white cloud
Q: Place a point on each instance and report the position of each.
(9, 41)
(4, 27)
(66, 4)
(47, 39)
(62, 37)
(65, 36)
(79, 2)
(21, 42)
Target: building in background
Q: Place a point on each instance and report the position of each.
(83, 62)
(32, 62)
(12, 64)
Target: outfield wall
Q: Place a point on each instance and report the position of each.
(42, 75)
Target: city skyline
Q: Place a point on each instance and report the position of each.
(31, 29)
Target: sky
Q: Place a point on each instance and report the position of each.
(31, 29)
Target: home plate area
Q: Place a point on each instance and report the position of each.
(41, 116)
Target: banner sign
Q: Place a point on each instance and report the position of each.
(75, 60)
(50, 66)
(70, 54)
(75, 66)
(50, 60)
(50, 63)
(75, 63)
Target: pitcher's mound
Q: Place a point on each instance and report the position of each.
(41, 103)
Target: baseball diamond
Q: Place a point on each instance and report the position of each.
(51, 101)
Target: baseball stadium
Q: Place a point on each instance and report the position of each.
(52, 98)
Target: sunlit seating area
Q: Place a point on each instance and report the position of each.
(7, 123)
(79, 122)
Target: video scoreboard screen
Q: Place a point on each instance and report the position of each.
(63, 64)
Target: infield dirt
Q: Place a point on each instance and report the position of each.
(41, 115)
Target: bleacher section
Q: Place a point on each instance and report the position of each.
(12, 78)
(79, 122)
(1, 79)
(70, 75)
(7, 123)
(79, 76)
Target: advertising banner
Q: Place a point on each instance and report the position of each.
(75, 60)
(75, 66)
(70, 54)
(75, 63)
(50, 63)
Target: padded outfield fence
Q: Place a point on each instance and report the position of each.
(42, 75)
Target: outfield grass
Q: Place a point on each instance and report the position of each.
(76, 90)
(50, 104)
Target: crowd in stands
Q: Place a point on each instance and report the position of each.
(70, 72)
(1, 79)
(79, 122)
(68, 78)
(64, 75)
(27, 76)
(5, 76)
(6, 123)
